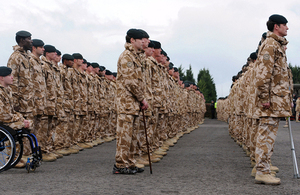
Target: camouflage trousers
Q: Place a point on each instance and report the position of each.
(253, 137)
(161, 128)
(61, 137)
(247, 127)
(84, 128)
(150, 124)
(155, 137)
(98, 120)
(41, 130)
(297, 116)
(76, 129)
(266, 135)
(104, 125)
(91, 129)
(111, 129)
(127, 128)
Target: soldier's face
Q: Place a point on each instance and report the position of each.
(157, 52)
(137, 44)
(84, 67)
(57, 58)
(96, 70)
(149, 51)
(51, 55)
(39, 50)
(146, 42)
(282, 29)
(27, 43)
(8, 80)
(69, 63)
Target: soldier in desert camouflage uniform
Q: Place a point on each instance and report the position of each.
(46, 137)
(274, 95)
(129, 99)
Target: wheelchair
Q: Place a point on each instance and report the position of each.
(11, 148)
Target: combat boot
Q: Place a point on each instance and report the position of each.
(76, 147)
(83, 145)
(274, 168)
(48, 157)
(99, 141)
(160, 152)
(73, 151)
(21, 164)
(57, 155)
(253, 172)
(64, 152)
(267, 179)
(142, 161)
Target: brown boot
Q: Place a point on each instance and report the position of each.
(267, 179)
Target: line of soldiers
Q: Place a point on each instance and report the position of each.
(72, 105)
(260, 95)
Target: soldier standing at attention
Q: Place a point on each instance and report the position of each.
(22, 87)
(273, 95)
(129, 99)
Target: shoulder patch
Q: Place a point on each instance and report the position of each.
(129, 64)
(266, 57)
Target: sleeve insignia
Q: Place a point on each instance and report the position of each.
(266, 57)
(129, 64)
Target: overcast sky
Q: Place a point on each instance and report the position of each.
(217, 35)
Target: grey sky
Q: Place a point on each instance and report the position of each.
(215, 34)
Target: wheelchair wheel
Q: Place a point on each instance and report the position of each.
(19, 152)
(7, 149)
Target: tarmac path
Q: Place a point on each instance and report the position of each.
(206, 161)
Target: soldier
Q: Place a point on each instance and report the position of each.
(40, 122)
(46, 136)
(8, 116)
(129, 99)
(273, 96)
(67, 73)
(22, 87)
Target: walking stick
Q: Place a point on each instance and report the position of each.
(147, 141)
(295, 165)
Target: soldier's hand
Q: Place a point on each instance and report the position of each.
(26, 124)
(266, 105)
(144, 105)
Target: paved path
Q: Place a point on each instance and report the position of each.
(206, 161)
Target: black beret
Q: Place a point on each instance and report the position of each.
(89, 64)
(187, 84)
(49, 48)
(115, 74)
(264, 35)
(135, 33)
(84, 61)
(58, 52)
(77, 56)
(145, 34)
(163, 53)
(95, 65)
(151, 44)
(168, 59)
(37, 43)
(108, 72)
(23, 33)
(171, 65)
(175, 69)
(5, 71)
(67, 57)
(253, 56)
(102, 68)
(157, 44)
(278, 19)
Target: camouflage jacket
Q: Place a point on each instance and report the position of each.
(130, 89)
(8, 116)
(39, 85)
(155, 81)
(273, 78)
(22, 87)
(83, 92)
(51, 86)
(67, 75)
(75, 82)
(60, 100)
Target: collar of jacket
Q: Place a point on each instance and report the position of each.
(129, 47)
(279, 39)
